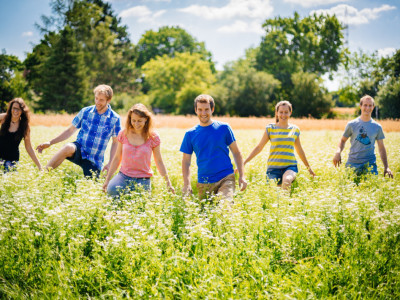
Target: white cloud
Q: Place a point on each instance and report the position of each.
(27, 33)
(354, 16)
(143, 13)
(258, 9)
(309, 3)
(385, 52)
(241, 26)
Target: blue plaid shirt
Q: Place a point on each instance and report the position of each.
(96, 131)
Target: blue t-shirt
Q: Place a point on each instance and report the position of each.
(362, 139)
(211, 146)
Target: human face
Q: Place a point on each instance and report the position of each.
(138, 122)
(367, 107)
(16, 111)
(284, 114)
(101, 103)
(204, 113)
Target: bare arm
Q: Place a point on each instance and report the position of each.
(114, 165)
(161, 167)
(113, 150)
(29, 149)
(2, 117)
(62, 137)
(186, 160)
(337, 159)
(264, 140)
(382, 153)
(239, 164)
(302, 155)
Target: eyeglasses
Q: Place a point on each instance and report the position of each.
(16, 109)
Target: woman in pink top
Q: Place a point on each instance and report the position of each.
(136, 144)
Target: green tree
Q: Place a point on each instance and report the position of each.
(308, 97)
(174, 80)
(312, 44)
(169, 41)
(246, 91)
(65, 86)
(388, 99)
(11, 81)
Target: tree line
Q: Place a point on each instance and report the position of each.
(85, 44)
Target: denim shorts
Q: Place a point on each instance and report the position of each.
(87, 166)
(277, 174)
(8, 165)
(122, 184)
(360, 169)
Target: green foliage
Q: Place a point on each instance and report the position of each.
(388, 99)
(65, 85)
(246, 91)
(62, 237)
(308, 97)
(11, 85)
(169, 41)
(174, 81)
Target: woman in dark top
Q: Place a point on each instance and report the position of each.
(14, 128)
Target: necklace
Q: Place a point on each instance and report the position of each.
(14, 122)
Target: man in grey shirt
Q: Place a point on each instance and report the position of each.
(363, 132)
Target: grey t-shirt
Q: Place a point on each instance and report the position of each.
(362, 138)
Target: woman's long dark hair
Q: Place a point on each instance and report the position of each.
(23, 122)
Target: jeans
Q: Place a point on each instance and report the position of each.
(277, 174)
(122, 184)
(8, 165)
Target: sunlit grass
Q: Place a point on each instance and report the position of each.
(62, 237)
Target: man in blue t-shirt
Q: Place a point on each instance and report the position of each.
(97, 124)
(210, 141)
(363, 132)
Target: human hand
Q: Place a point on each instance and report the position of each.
(311, 171)
(105, 185)
(388, 172)
(186, 190)
(242, 184)
(43, 146)
(105, 170)
(171, 188)
(337, 159)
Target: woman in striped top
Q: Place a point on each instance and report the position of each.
(284, 137)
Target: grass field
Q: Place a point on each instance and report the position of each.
(333, 237)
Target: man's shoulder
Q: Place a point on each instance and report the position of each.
(112, 113)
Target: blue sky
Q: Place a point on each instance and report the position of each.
(227, 27)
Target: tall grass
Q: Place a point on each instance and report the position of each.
(61, 237)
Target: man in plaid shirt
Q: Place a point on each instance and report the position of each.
(97, 123)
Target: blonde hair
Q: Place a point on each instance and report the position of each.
(142, 111)
(279, 104)
(365, 97)
(104, 89)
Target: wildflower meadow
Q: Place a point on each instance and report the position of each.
(332, 236)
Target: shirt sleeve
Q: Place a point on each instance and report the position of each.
(187, 146)
(348, 132)
(117, 128)
(229, 137)
(77, 121)
(121, 136)
(155, 140)
(380, 135)
(268, 130)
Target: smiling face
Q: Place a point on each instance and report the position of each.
(283, 113)
(16, 111)
(367, 107)
(138, 122)
(101, 102)
(204, 113)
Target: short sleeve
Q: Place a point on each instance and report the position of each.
(117, 127)
(187, 146)
(348, 132)
(229, 136)
(155, 140)
(77, 121)
(121, 136)
(297, 131)
(268, 130)
(380, 135)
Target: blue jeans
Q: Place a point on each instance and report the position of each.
(87, 166)
(359, 169)
(122, 184)
(277, 174)
(8, 165)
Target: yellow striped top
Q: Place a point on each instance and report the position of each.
(281, 153)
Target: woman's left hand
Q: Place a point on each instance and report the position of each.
(311, 171)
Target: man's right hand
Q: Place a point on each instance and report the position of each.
(43, 146)
(337, 159)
